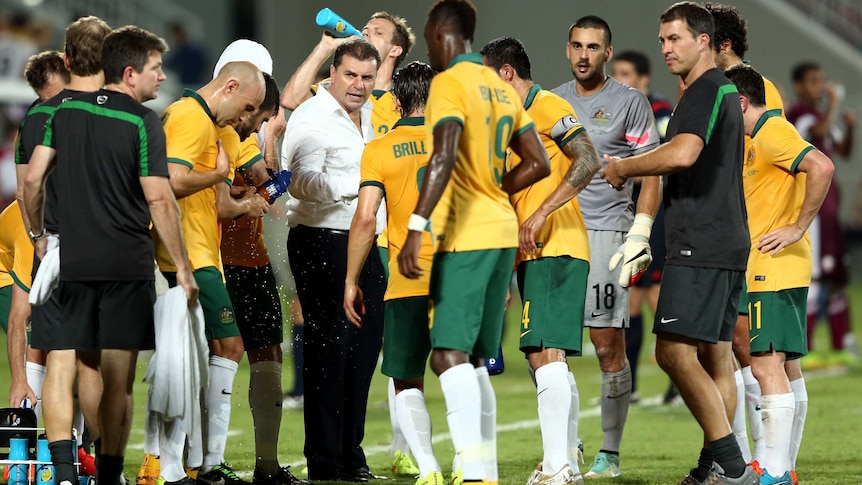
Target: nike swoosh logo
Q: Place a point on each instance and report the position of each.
(598, 314)
(638, 255)
(668, 320)
(525, 333)
(224, 391)
(752, 338)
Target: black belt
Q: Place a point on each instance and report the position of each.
(337, 232)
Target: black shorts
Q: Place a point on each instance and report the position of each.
(254, 294)
(700, 303)
(46, 332)
(100, 315)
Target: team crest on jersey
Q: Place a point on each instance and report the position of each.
(226, 315)
(750, 156)
(101, 99)
(601, 117)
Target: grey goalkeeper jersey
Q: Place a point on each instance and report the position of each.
(620, 123)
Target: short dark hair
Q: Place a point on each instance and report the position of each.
(83, 46)
(460, 14)
(637, 59)
(359, 49)
(802, 69)
(749, 83)
(128, 46)
(508, 50)
(592, 22)
(729, 25)
(698, 19)
(411, 84)
(271, 96)
(40, 66)
(402, 37)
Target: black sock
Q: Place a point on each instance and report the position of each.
(64, 461)
(704, 465)
(634, 337)
(109, 469)
(725, 452)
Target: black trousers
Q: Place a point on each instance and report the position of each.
(340, 359)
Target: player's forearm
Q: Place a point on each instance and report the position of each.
(818, 178)
(298, 88)
(437, 175)
(20, 173)
(676, 155)
(185, 183)
(34, 204)
(16, 343)
(359, 244)
(166, 218)
(650, 196)
(256, 174)
(585, 162)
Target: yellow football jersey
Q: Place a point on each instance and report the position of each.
(773, 196)
(191, 135)
(396, 163)
(474, 212)
(564, 233)
(16, 251)
(242, 239)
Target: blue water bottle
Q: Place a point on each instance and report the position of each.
(496, 365)
(335, 25)
(45, 470)
(18, 450)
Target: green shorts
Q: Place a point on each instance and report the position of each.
(406, 343)
(777, 322)
(219, 317)
(553, 315)
(5, 305)
(468, 299)
(743, 299)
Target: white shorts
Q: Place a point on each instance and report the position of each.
(607, 303)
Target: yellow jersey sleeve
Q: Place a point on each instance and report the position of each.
(16, 250)
(785, 147)
(249, 153)
(371, 164)
(184, 138)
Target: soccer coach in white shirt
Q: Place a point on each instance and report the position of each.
(323, 145)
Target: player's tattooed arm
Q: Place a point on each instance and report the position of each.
(585, 161)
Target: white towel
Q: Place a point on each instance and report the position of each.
(179, 368)
(48, 275)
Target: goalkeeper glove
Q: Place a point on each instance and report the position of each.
(635, 252)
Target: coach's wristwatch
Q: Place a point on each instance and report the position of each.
(36, 237)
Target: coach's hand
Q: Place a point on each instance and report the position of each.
(775, 241)
(354, 304)
(529, 229)
(187, 281)
(612, 174)
(635, 252)
(408, 259)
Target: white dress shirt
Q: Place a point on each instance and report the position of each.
(323, 148)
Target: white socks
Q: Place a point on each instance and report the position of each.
(460, 386)
(415, 424)
(264, 399)
(35, 377)
(755, 421)
(399, 442)
(572, 450)
(738, 425)
(554, 395)
(800, 397)
(489, 422)
(777, 411)
(217, 409)
(615, 398)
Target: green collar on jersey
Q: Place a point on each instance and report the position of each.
(410, 121)
(762, 120)
(532, 95)
(466, 57)
(188, 93)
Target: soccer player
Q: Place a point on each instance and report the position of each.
(82, 57)
(729, 47)
(201, 147)
(393, 39)
(393, 167)
(620, 122)
(553, 261)
(707, 237)
(109, 151)
(633, 68)
(781, 205)
(473, 117)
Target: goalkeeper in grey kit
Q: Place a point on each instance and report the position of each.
(620, 122)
